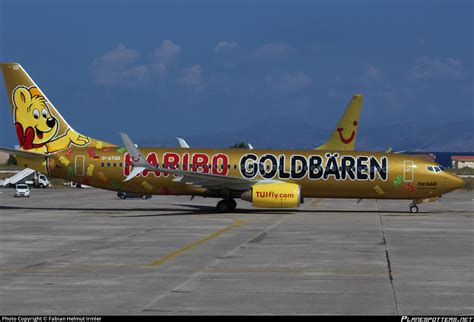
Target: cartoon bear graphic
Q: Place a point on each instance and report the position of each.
(36, 127)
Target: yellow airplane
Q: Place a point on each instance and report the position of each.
(266, 178)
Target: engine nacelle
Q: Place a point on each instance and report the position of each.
(274, 195)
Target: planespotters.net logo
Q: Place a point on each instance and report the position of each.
(437, 319)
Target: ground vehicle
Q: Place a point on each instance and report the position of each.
(125, 195)
(40, 181)
(22, 190)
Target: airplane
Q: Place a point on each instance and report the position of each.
(266, 178)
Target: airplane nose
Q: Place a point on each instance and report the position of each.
(455, 182)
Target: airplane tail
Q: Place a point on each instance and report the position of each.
(39, 126)
(344, 136)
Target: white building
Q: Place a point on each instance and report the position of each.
(462, 161)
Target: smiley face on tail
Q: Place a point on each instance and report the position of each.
(351, 137)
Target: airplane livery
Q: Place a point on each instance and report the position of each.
(266, 178)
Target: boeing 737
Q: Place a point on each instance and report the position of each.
(266, 178)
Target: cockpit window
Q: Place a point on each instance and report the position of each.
(434, 168)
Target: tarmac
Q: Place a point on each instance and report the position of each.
(86, 252)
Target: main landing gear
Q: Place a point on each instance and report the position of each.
(413, 208)
(226, 205)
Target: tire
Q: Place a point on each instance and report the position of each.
(223, 206)
(414, 209)
(144, 197)
(123, 196)
(232, 204)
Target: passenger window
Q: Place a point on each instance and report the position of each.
(108, 165)
(102, 164)
(430, 168)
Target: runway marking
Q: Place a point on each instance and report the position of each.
(195, 244)
(317, 201)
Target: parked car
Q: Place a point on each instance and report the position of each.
(22, 190)
(125, 195)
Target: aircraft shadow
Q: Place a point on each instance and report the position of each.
(202, 210)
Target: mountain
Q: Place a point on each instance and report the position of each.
(291, 134)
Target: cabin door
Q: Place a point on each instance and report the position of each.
(80, 159)
(408, 171)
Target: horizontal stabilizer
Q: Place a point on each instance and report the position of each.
(24, 154)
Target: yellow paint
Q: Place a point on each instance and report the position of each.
(102, 177)
(99, 145)
(191, 246)
(344, 136)
(379, 190)
(64, 160)
(90, 170)
(274, 195)
(316, 202)
(147, 186)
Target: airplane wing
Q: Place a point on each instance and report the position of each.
(199, 179)
(24, 154)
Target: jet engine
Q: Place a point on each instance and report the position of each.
(274, 195)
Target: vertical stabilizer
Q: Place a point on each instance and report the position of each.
(39, 126)
(344, 136)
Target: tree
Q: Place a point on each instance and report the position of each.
(239, 145)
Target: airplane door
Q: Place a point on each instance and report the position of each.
(407, 171)
(80, 165)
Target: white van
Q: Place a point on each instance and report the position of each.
(22, 190)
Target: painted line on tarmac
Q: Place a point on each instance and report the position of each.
(317, 201)
(163, 260)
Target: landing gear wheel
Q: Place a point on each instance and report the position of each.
(414, 209)
(223, 206)
(232, 204)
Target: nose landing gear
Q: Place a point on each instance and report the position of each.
(413, 208)
(226, 205)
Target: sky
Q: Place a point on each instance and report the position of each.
(177, 68)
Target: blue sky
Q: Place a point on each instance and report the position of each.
(177, 68)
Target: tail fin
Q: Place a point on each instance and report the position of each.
(344, 136)
(39, 126)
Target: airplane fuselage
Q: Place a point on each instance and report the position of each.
(320, 174)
